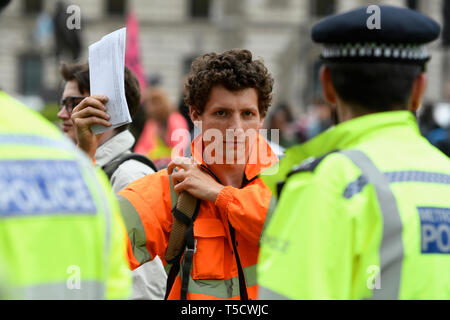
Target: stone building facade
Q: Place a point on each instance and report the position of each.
(172, 32)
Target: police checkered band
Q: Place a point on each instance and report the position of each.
(372, 50)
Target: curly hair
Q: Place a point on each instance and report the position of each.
(235, 70)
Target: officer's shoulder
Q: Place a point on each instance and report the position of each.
(311, 164)
(330, 168)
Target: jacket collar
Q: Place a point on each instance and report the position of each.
(261, 156)
(114, 147)
(349, 133)
(344, 136)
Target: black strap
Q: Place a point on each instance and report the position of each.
(187, 261)
(242, 285)
(182, 217)
(171, 277)
(111, 167)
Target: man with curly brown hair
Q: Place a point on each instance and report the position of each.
(228, 96)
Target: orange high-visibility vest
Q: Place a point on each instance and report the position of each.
(147, 209)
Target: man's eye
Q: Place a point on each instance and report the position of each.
(220, 113)
(248, 113)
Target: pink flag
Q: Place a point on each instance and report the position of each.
(132, 54)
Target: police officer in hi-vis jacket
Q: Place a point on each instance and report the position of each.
(367, 214)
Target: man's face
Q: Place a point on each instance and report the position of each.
(71, 97)
(229, 124)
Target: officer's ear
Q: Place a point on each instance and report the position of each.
(418, 91)
(328, 90)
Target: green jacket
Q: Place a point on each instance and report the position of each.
(61, 235)
(371, 221)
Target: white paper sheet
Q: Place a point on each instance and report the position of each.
(106, 72)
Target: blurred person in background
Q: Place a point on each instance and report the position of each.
(322, 116)
(281, 119)
(140, 118)
(183, 109)
(165, 129)
(109, 149)
(111, 146)
(434, 124)
(300, 125)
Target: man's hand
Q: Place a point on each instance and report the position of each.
(191, 178)
(91, 110)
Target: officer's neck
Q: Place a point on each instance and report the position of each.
(348, 112)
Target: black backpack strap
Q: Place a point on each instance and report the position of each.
(186, 265)
(111, 167)
(309, 165)
(171, 277)
(242, 285)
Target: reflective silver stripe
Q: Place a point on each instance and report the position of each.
(267, 294)
(356, 186)
(87, 290)
(34, 140)
(270, 211)
(250, 275)
(418, 176)
(135, 230)
(391, 249)
(222, 289)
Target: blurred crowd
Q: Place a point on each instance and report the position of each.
(158, 117)
(434, 122)
(160, 114)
